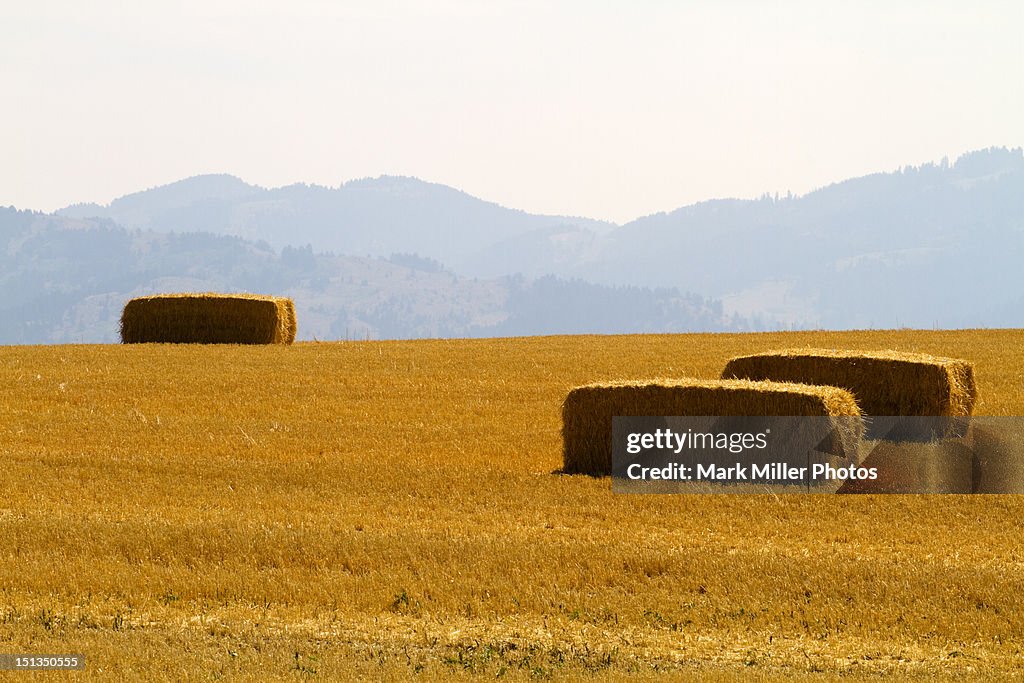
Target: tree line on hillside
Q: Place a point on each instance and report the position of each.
(65, 280)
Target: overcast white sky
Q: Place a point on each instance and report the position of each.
(604, 109)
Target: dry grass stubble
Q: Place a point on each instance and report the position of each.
(379, 509)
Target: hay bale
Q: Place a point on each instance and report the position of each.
(587, 411)
(885, 383)
(209, 319)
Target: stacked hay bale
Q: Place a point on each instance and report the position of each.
(209, 319)
(587, 411)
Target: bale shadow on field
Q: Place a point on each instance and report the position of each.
(942, 466)
(984, 455)
(999, 455)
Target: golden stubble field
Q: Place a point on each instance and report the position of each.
(382, 509)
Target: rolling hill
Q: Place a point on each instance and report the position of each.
(934, 245)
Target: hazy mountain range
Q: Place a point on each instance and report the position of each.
(67, 280)
(936, 245)
(370, 217)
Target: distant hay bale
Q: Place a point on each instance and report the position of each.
(209, 319)
(587, 411)
(288, 322)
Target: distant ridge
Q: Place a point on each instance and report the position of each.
(368, 216)
(174, 195)
(938, 244)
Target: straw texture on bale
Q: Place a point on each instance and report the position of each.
(209, 319)
(884, 383)
(588, 410)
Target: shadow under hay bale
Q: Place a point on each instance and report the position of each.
(209, 319)
(942, 466)
(885, 383)
(998, 445)
(588, 412)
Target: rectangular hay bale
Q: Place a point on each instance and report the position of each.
(588, 410)
(209, 319)
(885, 383)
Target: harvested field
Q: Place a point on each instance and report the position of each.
(378, 510)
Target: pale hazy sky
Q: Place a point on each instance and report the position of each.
(603, 109)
